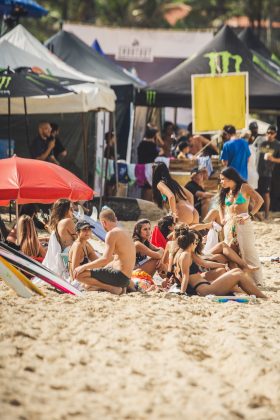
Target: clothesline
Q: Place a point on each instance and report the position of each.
(140, 173)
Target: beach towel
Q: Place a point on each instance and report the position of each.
(158, 239)
(131, 172)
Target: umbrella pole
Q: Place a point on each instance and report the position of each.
(26, 122)
(17, 220)
(116, 153)
(102, 165)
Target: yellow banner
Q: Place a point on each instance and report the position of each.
(219, 100)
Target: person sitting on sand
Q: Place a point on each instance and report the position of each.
(196, 284)
(112, 271)
(161, 232)
(81, 252)
(62, 228)
(148, 257)
(62, 223)
(28, 240)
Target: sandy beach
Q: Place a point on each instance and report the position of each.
(140, 356)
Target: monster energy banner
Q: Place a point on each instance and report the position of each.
(225, 54)
(4, 84)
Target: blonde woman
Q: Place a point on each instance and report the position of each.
(27, 238)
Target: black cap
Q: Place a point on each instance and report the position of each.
(253, 125)
(229, 129)
(272, 128)
(196, 170)
(81, 225)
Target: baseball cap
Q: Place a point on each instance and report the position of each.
(196, 170)
(81, 225)
(272, 128)
(253, 125)
(229, 129)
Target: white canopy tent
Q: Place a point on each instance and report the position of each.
(21, 38)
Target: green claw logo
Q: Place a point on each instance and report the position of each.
(225, 57)
(4, 82)
(151, 97)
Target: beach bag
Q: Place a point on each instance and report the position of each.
(142, 280)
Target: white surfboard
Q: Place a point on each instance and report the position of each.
(40, 271)
(13, 282)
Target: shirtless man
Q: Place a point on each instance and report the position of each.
(112, 271)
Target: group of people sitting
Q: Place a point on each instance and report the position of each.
(174, 250)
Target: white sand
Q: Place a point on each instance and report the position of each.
(155, 356)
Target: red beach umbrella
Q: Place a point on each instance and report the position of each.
(36, 181)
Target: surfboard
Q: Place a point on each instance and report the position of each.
(23, 278)
(41, 272)
(13, 282)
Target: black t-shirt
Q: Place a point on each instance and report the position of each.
(147, 151)
(58, 148)
(38, 147)
(193, 187)
(265, 167)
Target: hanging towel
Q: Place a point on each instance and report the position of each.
(149, 173)
(122, 173)
(205, 162)
(140, 174)
(131, 172)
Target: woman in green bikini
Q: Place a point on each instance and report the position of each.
(235, 197)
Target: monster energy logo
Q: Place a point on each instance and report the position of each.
(225, 57)
(151, 97)
(4, 82)
(257, 60)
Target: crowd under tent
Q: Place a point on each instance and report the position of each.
(82, 57)
(224, 54)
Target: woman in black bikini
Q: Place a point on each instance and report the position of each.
(196, 284)
(81, 252)
(148, 257)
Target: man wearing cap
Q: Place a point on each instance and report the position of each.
(235, 152)
(201, 197)
(268, 154)
(112, 271)
(254, 128)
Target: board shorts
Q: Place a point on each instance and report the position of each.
(110, 276)
(264, 184)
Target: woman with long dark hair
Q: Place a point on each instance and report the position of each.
(62, 224)
(28, 239)
(234, 200)
(148, 257)
(167, 191)
(196, 284)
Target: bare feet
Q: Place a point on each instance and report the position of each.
(250, 268)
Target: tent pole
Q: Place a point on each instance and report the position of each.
(85, 144)
(26, 123)
(116, 153)
(9, 126)
(102, 165)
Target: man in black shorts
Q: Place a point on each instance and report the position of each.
(112, 271)
(268, 154)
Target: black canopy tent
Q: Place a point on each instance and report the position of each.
(225, 53)
(262, 57)
(252, 42)
(79, 55)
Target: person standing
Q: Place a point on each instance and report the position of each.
(268, 154)
(43, 145)
(236, 152)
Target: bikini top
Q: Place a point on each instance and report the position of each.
(164, 197)
(240, 199)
